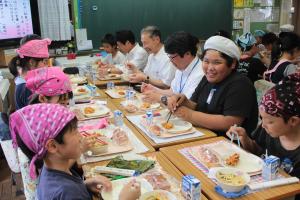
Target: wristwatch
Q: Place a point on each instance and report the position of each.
(147, 80)
(164, 100)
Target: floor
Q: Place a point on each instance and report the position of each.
(7, 189)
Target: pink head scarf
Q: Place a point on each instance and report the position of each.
(35, 49)
(36, 124)
(48, 81)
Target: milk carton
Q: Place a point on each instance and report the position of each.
(270, 168)
(191, 188)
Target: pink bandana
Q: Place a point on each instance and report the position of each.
(36, 124)
(283, 100)
(35, 49)
(48, 81)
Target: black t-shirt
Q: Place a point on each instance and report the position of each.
(234, 96)
(253, 68)
(265, 141)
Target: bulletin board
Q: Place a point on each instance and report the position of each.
(250, 15)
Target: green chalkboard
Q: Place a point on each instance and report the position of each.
(200, 17)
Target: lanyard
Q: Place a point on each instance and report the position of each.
(182, 86)
(211, 94)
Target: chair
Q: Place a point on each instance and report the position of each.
(71, 70)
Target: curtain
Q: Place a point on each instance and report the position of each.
(54, 19)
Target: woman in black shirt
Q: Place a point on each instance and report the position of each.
(223, 97)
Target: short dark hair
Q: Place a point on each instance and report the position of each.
(29, 37)
(223, 33)
(35, 97)
(180, 43)
(125, 35)
(152, 30)
(269, 38)
(109, 39)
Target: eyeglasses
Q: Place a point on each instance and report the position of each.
(172, 57)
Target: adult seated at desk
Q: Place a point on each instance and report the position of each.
(182, 49)
(279, 132)
(109, 44)
(223, 97)
(159, 70)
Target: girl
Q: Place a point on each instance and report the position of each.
(284, 51)
(49, 85)
(48, 133)
(31, 55)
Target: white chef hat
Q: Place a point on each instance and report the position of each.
(223, 45)
(287, 28)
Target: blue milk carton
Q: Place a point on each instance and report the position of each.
(270, 168)
(191, 188)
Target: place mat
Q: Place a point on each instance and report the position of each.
(156, 172)
(136, 120)
(138, 147)
(185, 152)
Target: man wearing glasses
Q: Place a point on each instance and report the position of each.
(182, 49)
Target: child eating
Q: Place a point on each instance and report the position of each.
(48, 133)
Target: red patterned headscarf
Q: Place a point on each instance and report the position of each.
(283, 100)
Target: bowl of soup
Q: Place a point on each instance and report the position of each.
(231, 179)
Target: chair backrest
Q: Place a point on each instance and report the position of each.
(11, 156)
(71, 70)
(28, 183)
(262, 86)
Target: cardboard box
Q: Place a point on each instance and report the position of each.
(6, 55)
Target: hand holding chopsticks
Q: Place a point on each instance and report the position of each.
(170, 114)
(238, 133)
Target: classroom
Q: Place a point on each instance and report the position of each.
(149, 99)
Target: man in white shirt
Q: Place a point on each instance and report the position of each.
(159, 70)
(135, 55)
(182, 49)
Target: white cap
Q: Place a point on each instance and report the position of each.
(287, 28)
(223, 45)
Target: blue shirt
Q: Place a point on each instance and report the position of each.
(22, 93)
(58, 185)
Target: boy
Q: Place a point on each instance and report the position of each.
(49, 132)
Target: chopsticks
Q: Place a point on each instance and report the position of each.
(170, 114)
(86, 134)
(235, 136)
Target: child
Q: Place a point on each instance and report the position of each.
(279, 131)
(49, 85)
(109, 44)
(249, 65)
(31, 55)
(284, 51)
(49, 132)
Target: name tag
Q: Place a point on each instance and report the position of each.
(210, 96)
